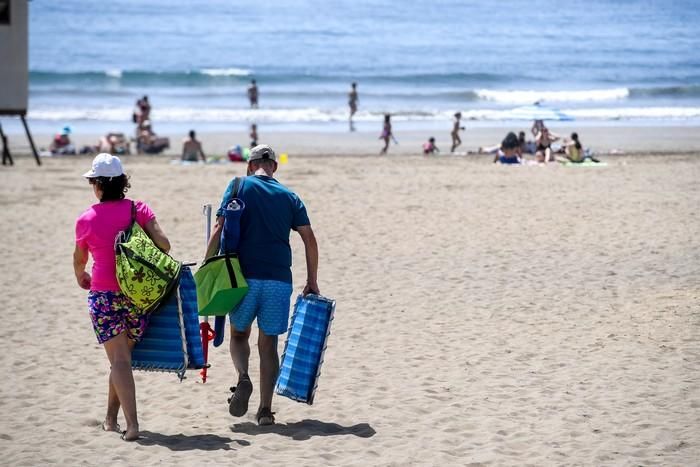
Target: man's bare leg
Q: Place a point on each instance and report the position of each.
(240, 351)
(269, 367)
(240, 354)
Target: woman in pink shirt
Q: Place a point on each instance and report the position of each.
(116, 321)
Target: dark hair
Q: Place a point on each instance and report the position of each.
(521, 137)
(510, 141)
(113, 188)
(458, 114)
(192, 134)
(354, 84)
(574, 136)
(252, 81)
(387, 117)
(432, 139)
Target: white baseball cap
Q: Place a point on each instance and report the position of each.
(105, 165)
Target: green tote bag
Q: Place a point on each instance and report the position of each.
(220, 285)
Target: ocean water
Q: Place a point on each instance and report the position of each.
(608, 62)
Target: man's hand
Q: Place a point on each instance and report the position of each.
(311, 288)
(84, 280)
(311, 249)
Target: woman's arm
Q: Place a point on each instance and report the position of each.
(80, 258)
(156, 233)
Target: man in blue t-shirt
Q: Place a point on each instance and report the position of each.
(270, 212)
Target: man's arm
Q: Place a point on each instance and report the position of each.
(215, 239)
(311, 249)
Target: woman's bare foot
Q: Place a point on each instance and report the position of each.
(131, 433)
(111, 425)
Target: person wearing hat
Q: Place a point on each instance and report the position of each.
(61, 143)
(271, 212)
(115, 321)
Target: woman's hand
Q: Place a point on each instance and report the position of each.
(84, 280)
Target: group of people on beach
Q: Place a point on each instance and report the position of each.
(512, 149)
(272, 212)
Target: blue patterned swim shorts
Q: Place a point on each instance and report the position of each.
(266, 300)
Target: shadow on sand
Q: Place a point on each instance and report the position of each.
(180, 442)
(306, 429)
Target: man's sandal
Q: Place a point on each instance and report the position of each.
(265, 416)
(238, 402)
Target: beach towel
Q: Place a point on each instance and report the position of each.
(307, 339)
(172, 341)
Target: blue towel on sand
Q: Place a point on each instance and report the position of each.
(303, 352)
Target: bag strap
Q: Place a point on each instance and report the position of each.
(133, 212)
(237, 182)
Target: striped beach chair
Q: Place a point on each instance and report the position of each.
(307, 339)
(172, 342)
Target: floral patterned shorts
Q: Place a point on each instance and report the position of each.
(112, 313)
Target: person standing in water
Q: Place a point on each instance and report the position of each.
(387, 134)
(352, 103)
(456, 140)
(253, 94)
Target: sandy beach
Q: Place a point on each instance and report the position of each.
(601, 139)
(486, 315)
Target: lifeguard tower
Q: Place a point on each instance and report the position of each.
(14, 67)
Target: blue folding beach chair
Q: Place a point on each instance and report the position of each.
(307, 339)
(172, 342)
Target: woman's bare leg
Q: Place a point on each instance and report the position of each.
(122, 381)
(113, 405)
